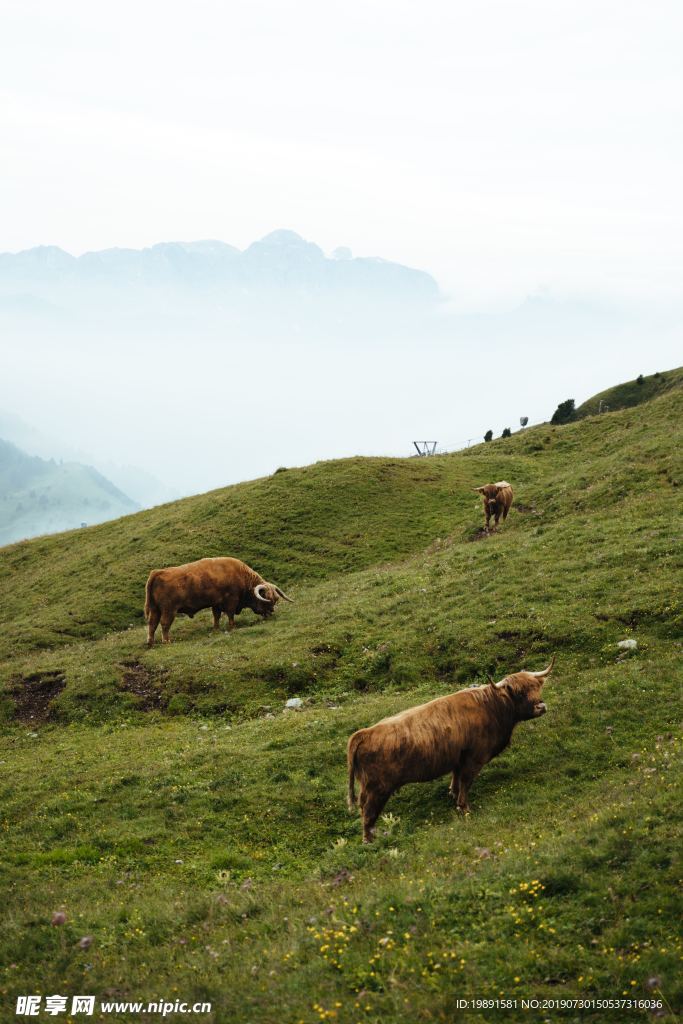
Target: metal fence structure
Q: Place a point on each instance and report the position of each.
(426, 448)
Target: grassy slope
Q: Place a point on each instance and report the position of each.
(205, 845)
(631, 393)
(40, 496)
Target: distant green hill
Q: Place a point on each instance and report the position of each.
(633, 392)
(43, 496)
(196, 832)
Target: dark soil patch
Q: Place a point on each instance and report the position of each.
(138, 680)
(33, 695)
(326, 657)
(332, 650)
(522, 643)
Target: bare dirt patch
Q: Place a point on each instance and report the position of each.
(144, 684)
(33, 695)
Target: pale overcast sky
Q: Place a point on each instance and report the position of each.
(509, 147)
(503, 146)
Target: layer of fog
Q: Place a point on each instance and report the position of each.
(198, 406)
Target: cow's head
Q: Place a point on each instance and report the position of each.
(265, 596)
(524, 688)
(489, 493)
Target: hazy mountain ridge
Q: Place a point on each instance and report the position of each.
(278, 366)
(282, 259)
(43, 496)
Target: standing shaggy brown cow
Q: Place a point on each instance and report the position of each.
(459, 733)
(221, 584)
(497, 500)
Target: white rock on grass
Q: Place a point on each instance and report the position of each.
(627, 645)
(294, 702)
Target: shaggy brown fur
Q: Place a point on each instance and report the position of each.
(221, 584)
(497, 500)
(459, 733)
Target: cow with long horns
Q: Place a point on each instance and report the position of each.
(497, 501)
(221, 584)
(459, 733)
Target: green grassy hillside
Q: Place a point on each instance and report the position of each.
(631, 393)
(197, 832)
(43, 496)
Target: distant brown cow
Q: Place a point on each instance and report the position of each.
(459, 733)
(221, 584)
(497, 500)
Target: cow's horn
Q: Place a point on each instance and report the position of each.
(546, 671)
(283, 595)
(257, 590)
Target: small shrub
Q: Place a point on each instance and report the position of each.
(565, 412)
(488, 436)
(640, 379)
(179, 704)
(506, 433)
(230, 860)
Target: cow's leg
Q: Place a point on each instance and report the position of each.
(166, 623)
(216, 610)
(230, 607)
(454, 787)
(468, 773)
(152, 623)
(372, 805)
(488, 519)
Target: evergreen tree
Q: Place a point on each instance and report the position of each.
(564, 413)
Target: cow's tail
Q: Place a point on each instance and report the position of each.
(354, 743)
(149, 600)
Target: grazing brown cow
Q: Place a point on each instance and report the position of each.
(459, 733)
(497, 500)
(221, 584)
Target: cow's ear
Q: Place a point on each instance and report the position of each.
(478, 490)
